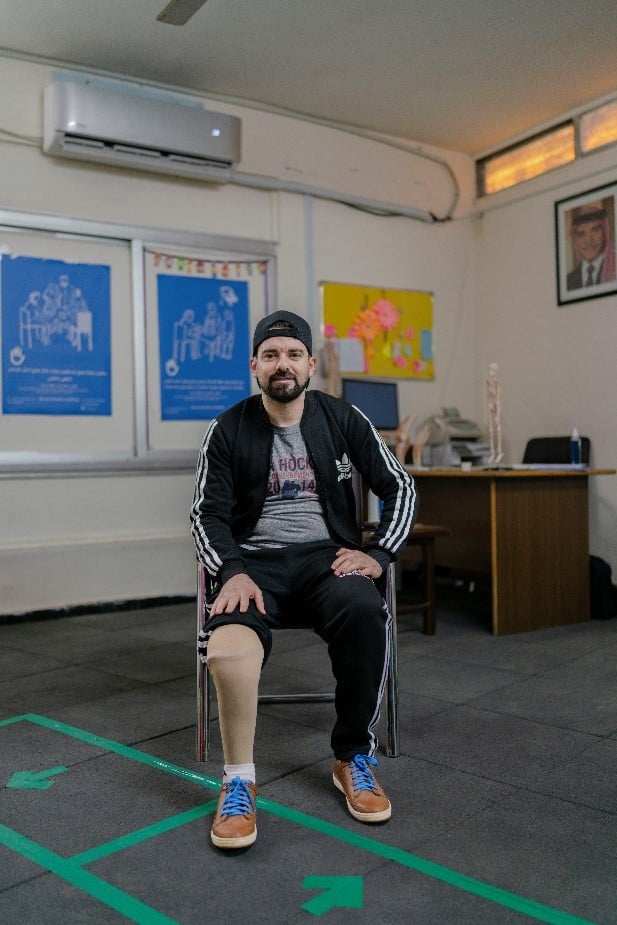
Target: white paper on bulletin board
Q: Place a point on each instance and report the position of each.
(102, 352)
(386, 333)
(200, 310)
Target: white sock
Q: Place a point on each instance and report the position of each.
(243, 771)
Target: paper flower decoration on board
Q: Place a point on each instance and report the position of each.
(372, 324)
(379, 332)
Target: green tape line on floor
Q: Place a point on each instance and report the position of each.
(453, 878)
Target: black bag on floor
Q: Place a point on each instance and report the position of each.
(602, 591)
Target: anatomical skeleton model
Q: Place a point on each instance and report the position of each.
(492, 408)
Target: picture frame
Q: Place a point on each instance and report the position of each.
(585, 245)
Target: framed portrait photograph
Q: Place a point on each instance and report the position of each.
(585, 242)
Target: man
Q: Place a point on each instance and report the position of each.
(274, 523)
(592, 247)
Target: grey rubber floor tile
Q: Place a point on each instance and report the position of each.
(580, 696)
(19, 663)
(15, 870)
(588, 778)
(448, 679)
(133, 715)
(552, 852)
(69, 643)
(57, 688)
(49, 900)
(492, 745)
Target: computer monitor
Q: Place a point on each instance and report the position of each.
(377, 400)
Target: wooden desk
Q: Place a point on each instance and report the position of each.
(526, 529)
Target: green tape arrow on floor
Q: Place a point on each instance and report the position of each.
(35, 780)
(346, 892)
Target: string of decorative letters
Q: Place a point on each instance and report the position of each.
(215, 269)
(209, 267)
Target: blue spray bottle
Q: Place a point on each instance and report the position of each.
(575, 447)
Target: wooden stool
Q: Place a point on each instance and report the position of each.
(424, 535)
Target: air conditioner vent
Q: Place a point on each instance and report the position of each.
(130, 130)
(132, 151)
(76, 141)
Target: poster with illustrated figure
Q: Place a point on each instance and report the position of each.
(203, 345)
(56, 350)
(386, 333)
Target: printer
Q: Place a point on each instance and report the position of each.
(454, 439)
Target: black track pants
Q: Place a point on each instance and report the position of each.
(301, 590)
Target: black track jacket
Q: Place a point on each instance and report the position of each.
(234, 467)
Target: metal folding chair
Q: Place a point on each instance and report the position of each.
(387, 586)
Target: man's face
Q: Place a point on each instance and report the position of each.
(282, 368)
(588, 239)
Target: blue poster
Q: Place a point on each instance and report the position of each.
(56, 349)
(204, 346)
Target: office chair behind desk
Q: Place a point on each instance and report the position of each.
(554, 450)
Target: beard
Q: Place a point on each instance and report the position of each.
(279, 388)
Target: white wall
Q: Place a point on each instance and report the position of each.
(84, 539)
(66, 541)
(556, 364)
(435, 258)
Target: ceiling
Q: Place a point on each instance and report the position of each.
(467, 75)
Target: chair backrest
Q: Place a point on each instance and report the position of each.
(554, 450)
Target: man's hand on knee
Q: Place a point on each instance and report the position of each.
(236, 593)
(354, 560)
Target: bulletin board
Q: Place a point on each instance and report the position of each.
(119, 344)
(66, 364)
(200, 310)
(386, 333)
(56, 334)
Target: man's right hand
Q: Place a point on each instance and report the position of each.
(236, 593)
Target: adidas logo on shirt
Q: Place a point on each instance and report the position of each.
(344, 467)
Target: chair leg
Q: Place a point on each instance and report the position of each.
(428, 556)
(202, 742)
(392, 684)
(207, 712)
(202, 732)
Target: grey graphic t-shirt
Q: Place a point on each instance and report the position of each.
(292, 512)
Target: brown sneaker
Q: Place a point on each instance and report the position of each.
(366, 801)
(235, 821)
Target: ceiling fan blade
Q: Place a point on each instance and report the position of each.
(178, 12)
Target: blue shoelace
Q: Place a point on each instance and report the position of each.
(361, 774)
(238, 798)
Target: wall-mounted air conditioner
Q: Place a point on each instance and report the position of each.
(125, 129)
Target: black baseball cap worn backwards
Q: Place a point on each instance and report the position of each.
(283, 324)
